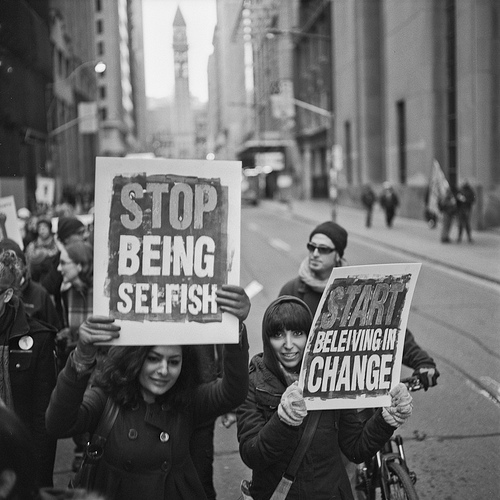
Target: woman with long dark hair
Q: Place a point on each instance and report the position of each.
(160, 400)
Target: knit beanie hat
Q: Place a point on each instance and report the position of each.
(68, 226)
(336, 233)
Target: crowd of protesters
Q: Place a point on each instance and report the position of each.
(56, 381)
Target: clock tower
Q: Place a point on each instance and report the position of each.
(183, 129)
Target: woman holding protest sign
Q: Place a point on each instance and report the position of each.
(274, 417)
(160, 401)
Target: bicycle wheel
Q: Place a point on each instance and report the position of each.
(400, 484)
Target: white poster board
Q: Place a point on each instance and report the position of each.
(9, 227)
(354, 350)
(166, 235)
(45, 190)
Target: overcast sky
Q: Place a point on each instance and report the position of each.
(158, 17)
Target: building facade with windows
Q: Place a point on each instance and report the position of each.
(229, 111)
(25, 74)
(416, 82)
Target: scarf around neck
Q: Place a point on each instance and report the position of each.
(309, 279)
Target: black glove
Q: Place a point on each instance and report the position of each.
(428, 375)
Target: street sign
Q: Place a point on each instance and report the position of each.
(87, 118)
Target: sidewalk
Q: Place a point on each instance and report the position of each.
(411, 236)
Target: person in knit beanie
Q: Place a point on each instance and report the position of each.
(326, 246)
(70, 229)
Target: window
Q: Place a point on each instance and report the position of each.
(98, 5)
(100, 48)
(100, 27)
(102, 92)
(401, 124)
(103, 114)
(348, 151)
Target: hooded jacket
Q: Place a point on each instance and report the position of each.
(267, 444)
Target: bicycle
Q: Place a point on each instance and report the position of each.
(387, 475)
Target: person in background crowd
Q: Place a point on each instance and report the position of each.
(37, 301)
(45, 243)
(160, 400)
(272, 418)
(27, 365)
(389, 201)
(326, 246)
(42, 256)
(70, 229)
(448, 207)
(465, 199)
(368, 199)
(28, 232)
(18, 465)
(77, 269)
(76, 266)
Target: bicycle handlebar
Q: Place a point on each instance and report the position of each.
(413, 383)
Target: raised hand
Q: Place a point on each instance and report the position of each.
(233, 299)
(95, 329)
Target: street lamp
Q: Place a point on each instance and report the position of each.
(73, 93)
(99, 68)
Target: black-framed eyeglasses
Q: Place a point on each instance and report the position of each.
(322, 250)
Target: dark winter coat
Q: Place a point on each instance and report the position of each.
(38, 303)
(413, 355)
(147, 452)
(32, 372)
(267, 444)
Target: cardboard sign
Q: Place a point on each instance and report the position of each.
(353, 353)
(167, 235)
(45, 190)
(9, 227)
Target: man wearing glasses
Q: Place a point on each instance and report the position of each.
(326, 246)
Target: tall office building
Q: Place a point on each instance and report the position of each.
(183, 131)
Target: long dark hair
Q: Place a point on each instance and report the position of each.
(118, 376)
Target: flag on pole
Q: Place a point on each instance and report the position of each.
(438, 185)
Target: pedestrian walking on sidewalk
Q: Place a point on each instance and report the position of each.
(465, 199)
(368, 200)
(389, 201)
(448, 208)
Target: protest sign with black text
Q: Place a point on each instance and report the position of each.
(166, 237)
(353, 353)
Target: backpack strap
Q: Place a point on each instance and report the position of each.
(281, 491)
(107, 419)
